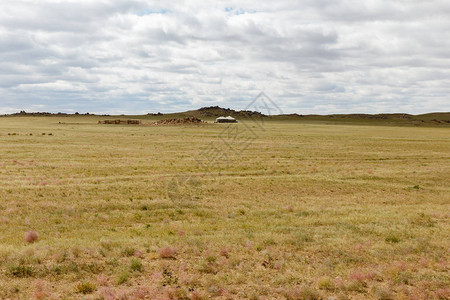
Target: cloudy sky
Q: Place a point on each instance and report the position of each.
(309, 56)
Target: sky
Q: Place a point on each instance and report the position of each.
(308, 56)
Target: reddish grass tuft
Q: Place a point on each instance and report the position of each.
(424, 262)
(361, 276)
(145, 293)
(196, 295)
(225, 252)
(107, 293)
(168, 252)
(289, 208)
(102, 280)
(400, 266)
(31, 236)
(443, 293)
(40, 290)
(277, 265)
(358, 247)
(138, 253)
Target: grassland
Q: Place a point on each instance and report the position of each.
(287, 211)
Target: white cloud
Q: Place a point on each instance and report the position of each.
(310, 56)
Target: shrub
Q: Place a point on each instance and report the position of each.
(107, 293)
(20, 271)
(168, 278)
(325, 283)
(138, 253)
(277, 265)
(303, 293)
(443, 293)
(123, 277)
(208, 267)
(128, 251)
(40, 290)
(392, 239)
(86, 288)
(225, 252)
(423, 220)
(383, 293)
(358, 276)
(211, 259)
(168, 253)
(197, 295)
(102, 280)
(136, 265)
(356, 286)
(31, 236)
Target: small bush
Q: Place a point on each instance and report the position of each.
(102, 280)
(211, 259)
(106, 293)
(20, 271)
(356, 286)
(31, 236)
(86, 288)
(392, 239)
(138, 253)
(225, 252)
(423, 220)
(269, 242)
(208, 267)
(325, 283)
(136, 265)
(303, 293)
(168, 253)
(443, 293)
(123, 277)
(197, 295)
(128, 251)
(40, 290)
(168, 278)
(383, 293)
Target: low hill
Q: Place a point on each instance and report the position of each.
(430, 119)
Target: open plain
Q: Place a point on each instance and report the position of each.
(277, 210)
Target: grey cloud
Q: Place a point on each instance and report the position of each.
(311, 56)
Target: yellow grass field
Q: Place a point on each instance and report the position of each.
(283, 211)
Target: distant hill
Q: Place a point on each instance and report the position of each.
(441, 119)
(430, 119)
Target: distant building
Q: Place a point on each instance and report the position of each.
(228, 119)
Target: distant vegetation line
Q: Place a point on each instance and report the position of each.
(211, 112)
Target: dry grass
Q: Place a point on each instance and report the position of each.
(303, 212)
